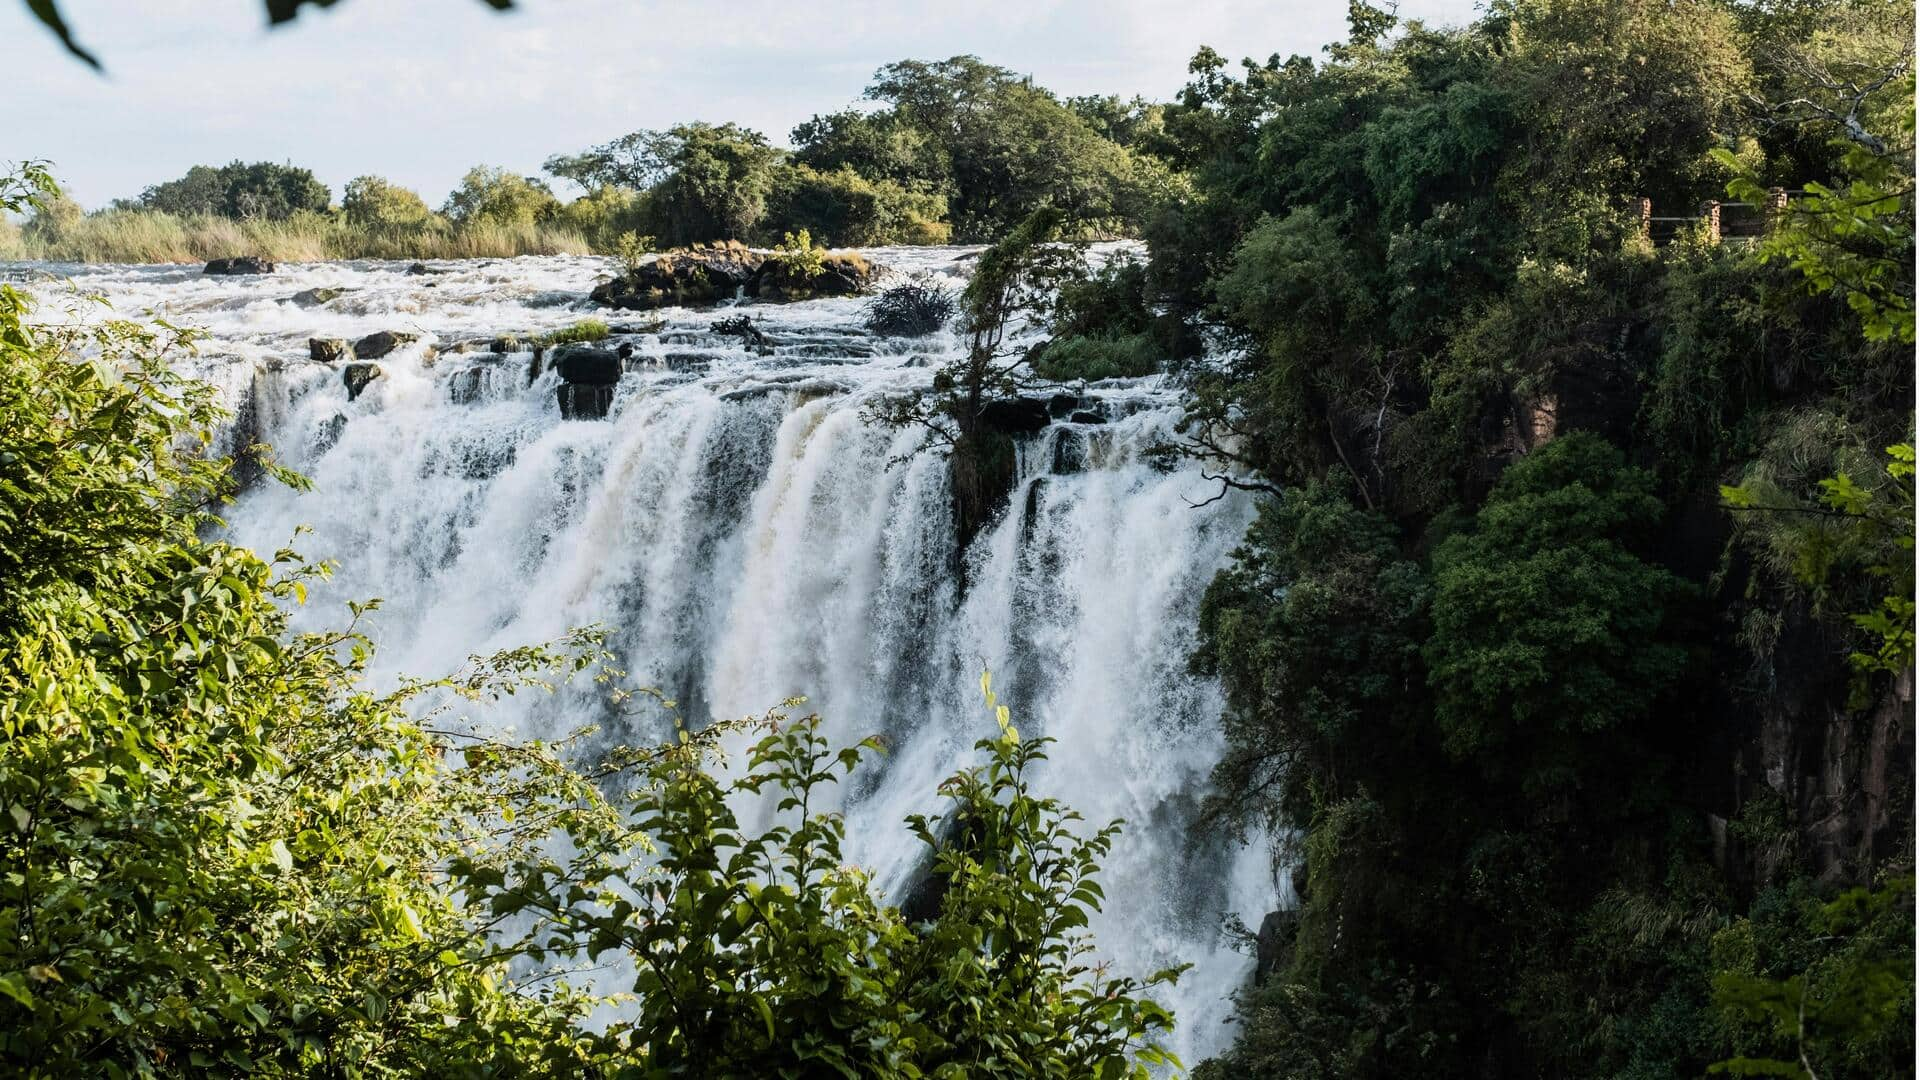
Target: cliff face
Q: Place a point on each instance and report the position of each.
(1843, 775)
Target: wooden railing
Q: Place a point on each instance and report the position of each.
(1739, 222)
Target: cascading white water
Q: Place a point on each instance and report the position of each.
(747, 537)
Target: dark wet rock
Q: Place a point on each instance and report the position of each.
(584, 401)
(328, 432)
(317, 297)
(242, 264)
(464, 386)
(357, 376)
(509, 343)
(1015, 416)
(375, 346)
(422, 268)
(1060, 405)
(1069, 453)
(1087, 417)
(328, 350)
(586, 365)
(1273, 944)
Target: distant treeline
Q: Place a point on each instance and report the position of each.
(954, 150)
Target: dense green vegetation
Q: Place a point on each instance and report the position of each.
(1540, 650)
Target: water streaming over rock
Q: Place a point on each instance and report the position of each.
(747, 537)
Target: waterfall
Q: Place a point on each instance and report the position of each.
(746, 536)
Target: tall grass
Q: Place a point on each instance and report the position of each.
(148, 236)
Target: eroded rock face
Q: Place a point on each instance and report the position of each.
(584, 401)
(357, 376)
(329, 350)
(1016, 416)
(243, 264)
(375, 346)
(588, 376)
(587, 366)
(690, 277)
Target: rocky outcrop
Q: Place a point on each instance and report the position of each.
(317, 297)
(587, 380)
(839, 275)
(1016, 416)
(329, 350)
(243, 264)
(1273, 944)
(690, 277)
(375, 346)
(357, 376)
(591, 366)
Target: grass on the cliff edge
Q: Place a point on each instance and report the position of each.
(141, 236)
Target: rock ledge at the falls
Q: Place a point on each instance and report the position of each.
(709, 274)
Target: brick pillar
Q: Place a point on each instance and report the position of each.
(1712, 218)
(1776, 207)
(1646, 218)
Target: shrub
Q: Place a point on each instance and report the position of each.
(583, 331)
(1067, 359)
(799, 257)
(914, 308)
(845, 208)
(500, 197)
(373, 203)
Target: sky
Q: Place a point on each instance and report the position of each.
(419, 91)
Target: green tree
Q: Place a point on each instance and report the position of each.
(241, 191)
(375, 203)
(1548, 623)
(498, 197)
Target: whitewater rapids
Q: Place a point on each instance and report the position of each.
(746, 538)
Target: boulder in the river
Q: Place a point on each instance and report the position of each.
(1015, 416)
(375, 346)
(328, 350)
(241, 264)
(357, 376)
(316, 297)
(584, 401)
(586, 365)
(587, 378)
(422, 268)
